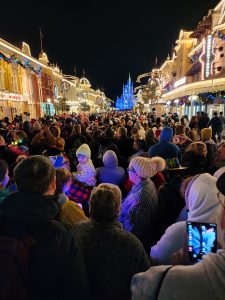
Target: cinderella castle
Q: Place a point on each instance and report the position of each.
(125, 102)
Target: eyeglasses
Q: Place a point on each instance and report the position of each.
(222, 202)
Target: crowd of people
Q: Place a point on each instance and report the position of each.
(95, 206)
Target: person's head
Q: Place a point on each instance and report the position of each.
(179, 129)
(141, 168)
(68, 121)
(198, 148)
(221, 113)
(55, 130)
(121, 132)
(105, 203)
(83, 153)
(110, 159)
(206, 134)
(19, 136)
(109, 132)
(140, 145)
(77, 129)
(220, 154)
(166, 134)
(63, 181)
(4, 173)
(35, 175)
(36, 126)
(202, 201)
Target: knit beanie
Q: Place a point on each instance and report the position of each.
(110, 159)
(36, 126)
(146, 167)
(221, 184)
(206, 134)
(84, 150)
(166, 134)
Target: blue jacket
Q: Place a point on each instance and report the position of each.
(165, 150)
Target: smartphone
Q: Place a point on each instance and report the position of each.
(202, 239)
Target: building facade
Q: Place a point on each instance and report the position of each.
(193, 79)
(34, 87)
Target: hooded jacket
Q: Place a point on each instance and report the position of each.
(165, 148)
(205, 280)
(203, 205)
(111, 173)
(56, 267)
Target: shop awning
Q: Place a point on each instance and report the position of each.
(203, 86)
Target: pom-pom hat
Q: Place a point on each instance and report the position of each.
(147, 167)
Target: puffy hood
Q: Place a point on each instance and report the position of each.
(166, 134)
(203, 203)
(110, 159)
(146, 285)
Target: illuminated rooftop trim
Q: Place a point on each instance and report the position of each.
(195, 88)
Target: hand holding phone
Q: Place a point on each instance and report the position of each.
(202, 239)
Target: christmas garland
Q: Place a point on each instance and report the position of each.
(220, 35)
(194, 58)
(16, 60)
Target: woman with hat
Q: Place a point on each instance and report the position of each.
(139, 211)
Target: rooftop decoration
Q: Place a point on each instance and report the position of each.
(26, 64)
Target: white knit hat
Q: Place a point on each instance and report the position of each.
(147, 167)
(84, 150)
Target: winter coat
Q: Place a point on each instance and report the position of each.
(112, 257)
(203, 205)
(165, 150)
(204, 280)
(86, 173)
(111, 173)
(70, 213)
(140, 211)
(56, 267)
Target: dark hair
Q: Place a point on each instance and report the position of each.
(105, 202)
(142, 145)
(34, 174)
(62, 177)
(3, 169)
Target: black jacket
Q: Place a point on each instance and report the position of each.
(56, 267)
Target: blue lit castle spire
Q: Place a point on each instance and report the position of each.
(125, 102)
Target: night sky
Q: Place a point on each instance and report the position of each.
(107, 39)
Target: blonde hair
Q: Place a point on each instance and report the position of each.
(197, 148)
